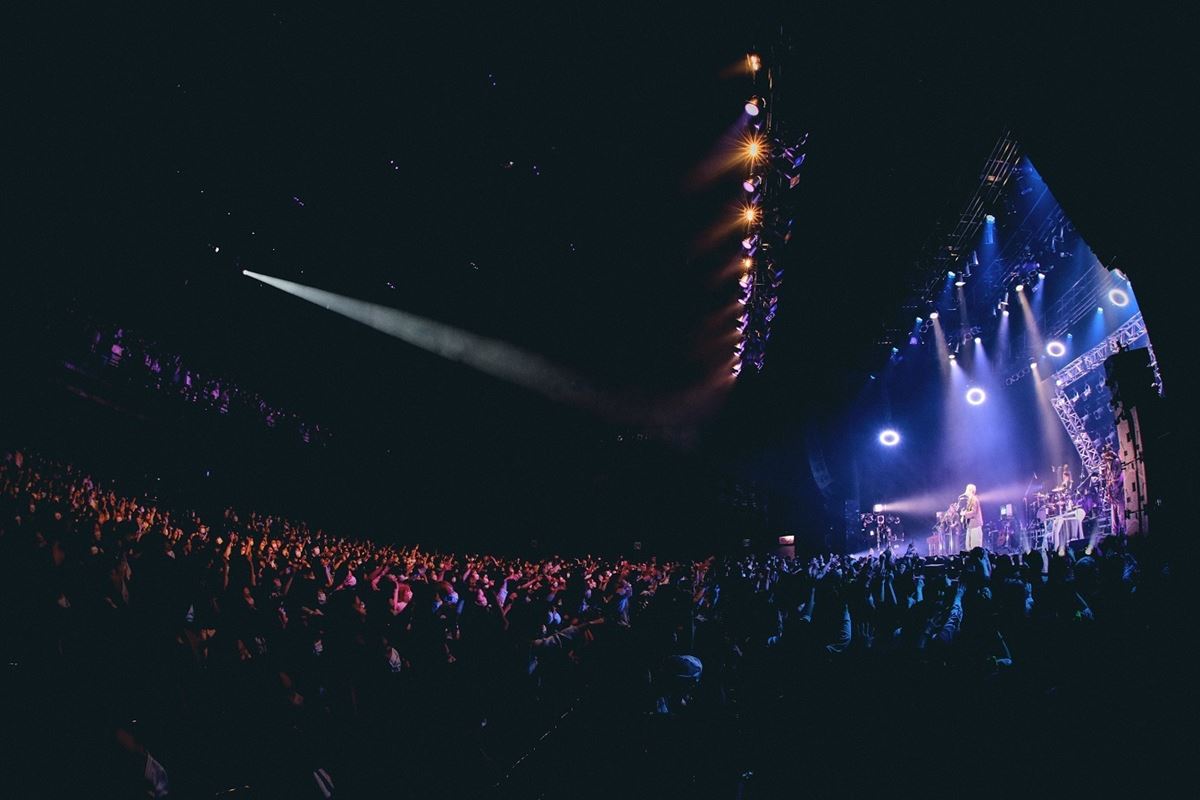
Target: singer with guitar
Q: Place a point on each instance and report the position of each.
(972, 516)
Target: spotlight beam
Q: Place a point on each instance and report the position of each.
(496, 358)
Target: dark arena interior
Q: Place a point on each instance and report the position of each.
(543, 400)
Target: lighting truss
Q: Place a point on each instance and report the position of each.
(770, 178)
(1127, 334)
(1077, 430)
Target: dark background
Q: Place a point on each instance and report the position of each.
(147, 138)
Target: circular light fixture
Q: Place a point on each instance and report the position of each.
(989, 219)
(877, 508)
(1118, 298)
(933, 315)
(1056, 349)
(889, 438)
(961, 282)
(978, 340)
(754, 105)
(1020, 287)
(952, 357)
(752, 183)
(976, 396)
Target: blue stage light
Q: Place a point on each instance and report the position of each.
(1056, 349)
(889, 438)
(976, 396)
(989, 219)
(1118, 298)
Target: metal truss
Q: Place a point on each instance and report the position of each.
(1077, 430)
(1126, 335)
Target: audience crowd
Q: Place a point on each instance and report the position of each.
(157, 368)
(166, 654)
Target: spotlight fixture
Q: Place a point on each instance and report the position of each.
(1099, 309)
(1118, 298)
(754, 61)
(749, 215)
(889, 438)
(1006, 312)
(961, 282)
(747, 262)
(933, 315)
(877, 508)
(1020, 287)
(1056, 349)
(1041, 276)
(978, 340)
(976, 396)
(750, 242)
(989, 219)
(755, 148)
(919, 320)
(752, 183)
(950, 274)
(754, 105)
(953, 357)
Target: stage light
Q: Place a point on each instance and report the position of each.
(989, 219)
(1041, 276)
(961, 282)
(749, 214)
(877, 508)
(978, 340)
(1056, 349)
(752, 183)
(976, 396)
(755, 62)
(950, 274)
(1033, 365)
(919, 320)
(747, 262)
(1006, 312)
(889, 438)
(754, 105)
(1099, 309)
(1020, 287)
(750, 242)
(1118, 298)
(754, 149)
(953, 357)
(933, 315)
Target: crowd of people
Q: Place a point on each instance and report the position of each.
(152, 366)
(165, 654)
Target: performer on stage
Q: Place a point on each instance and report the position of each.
(1066, 482)
(972, 513)
(1114, 487)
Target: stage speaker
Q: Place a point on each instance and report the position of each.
(1138, 410)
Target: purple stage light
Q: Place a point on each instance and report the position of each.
(1056, 349)
(976, 396)
(1118, 298)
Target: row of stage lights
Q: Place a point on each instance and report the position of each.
(975, 396)
(772, 165)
